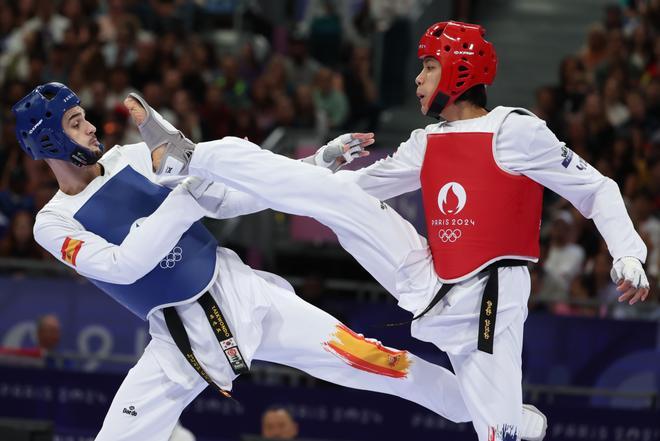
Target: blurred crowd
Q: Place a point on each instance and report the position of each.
(212, 67)
(216, 68)
(606, 107)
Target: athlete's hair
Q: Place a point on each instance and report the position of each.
(475, 95)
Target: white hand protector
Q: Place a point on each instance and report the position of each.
(327, 155)
(196, 186)
(156, 132)
(630, 269)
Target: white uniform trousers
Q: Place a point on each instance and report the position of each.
(270, 323)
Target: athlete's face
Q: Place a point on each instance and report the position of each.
(427, 81)
(79, 129)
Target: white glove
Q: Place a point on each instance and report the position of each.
(629, 269)
(209, 201)
(196, 186)
(329, 155)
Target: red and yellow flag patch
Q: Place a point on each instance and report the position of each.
(70, 249)
(367, 354)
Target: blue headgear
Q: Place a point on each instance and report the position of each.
(39, 125)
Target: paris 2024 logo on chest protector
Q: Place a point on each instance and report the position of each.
(452, 198)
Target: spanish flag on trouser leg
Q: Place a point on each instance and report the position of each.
(367, 354)
(370, 365)
(70, 249)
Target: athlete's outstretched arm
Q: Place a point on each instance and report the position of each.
(537, 153)
(394, 175)
(142, 249)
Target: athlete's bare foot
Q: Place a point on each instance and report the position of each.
(139, 114)
(136, 110)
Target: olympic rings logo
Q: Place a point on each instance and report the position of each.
(171, 259)
(450, 235)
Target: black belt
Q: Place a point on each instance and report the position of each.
(488, 302)
(221, 331)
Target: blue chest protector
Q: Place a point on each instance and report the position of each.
(186, 271)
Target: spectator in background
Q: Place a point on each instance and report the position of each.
(548, 108)
(613, 17)
(393, 20)
(97, 102)
(324, 23)
(192, 78)
(653, 180)
(275, 75)
(234, 88)
(580, 299)
(599, 131)
(617, 112)
(573, 83)
(305, 110)
(603, 288)
(74, 11)
(595, 51)
(141, 70)
(119, 87)
(277, 423)
(565, 258)
(648, 226)
(19, 241)
(300, 67)
(7, 22)
(90, 64)
(640, 118)
(113, 19)
(329, 98)
(120, 52)
(49, 333)
(641, 47)
(261, 96)
(169, 47)
(56, 69)
(546, 289)
(47, 23)
(285, 112)
(186, 118)
(362, 92)
(215, 114)
(245, 125)
(249, 63)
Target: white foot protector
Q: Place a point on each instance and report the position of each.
(534, 424)
(157, 131)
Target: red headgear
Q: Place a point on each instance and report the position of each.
(465, 57)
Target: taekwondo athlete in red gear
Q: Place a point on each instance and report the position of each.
(481, 173)
(139, 238)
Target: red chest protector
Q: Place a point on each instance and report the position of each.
(476, 213)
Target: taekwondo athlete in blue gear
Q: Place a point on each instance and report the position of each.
(38, 120)
(138, 238)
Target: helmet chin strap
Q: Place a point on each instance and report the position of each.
(83, 156)
(437, 105)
